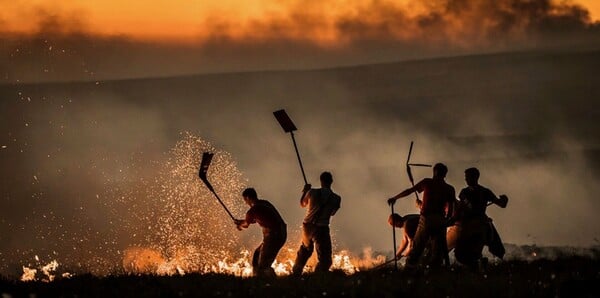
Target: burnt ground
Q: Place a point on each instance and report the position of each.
(569, 277)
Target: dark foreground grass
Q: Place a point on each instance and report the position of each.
(573, 277)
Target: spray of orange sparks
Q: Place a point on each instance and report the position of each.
(191, 234)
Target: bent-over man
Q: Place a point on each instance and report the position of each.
(274, 232)
(408, 224)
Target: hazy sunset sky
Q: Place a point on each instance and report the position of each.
(184, 20)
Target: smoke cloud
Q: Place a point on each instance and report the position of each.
(62, 46)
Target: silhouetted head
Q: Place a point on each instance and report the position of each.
(471, 176)
(326, 179)
(395, 220)
(440, 170)
(250, 196)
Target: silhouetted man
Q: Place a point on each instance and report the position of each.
(474, 228)
(322, 204)
(438, 196)
(274, 232)
(408, 224)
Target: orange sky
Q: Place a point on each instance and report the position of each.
(176, 19)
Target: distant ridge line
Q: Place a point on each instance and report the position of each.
(531, 53)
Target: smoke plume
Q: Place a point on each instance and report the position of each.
(62, 46)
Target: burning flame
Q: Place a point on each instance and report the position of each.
(48, 271)
(240, 267)
(28, 274)
(149, 261)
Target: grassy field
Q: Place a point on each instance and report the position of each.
(569, 277)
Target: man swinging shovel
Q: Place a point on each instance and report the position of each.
(438, 195)
(262, 212)
(395, 219)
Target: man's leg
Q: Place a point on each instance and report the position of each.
(255, 259)
(305, 250)
(481, 237)
(323, 247)
(444, 249)
(268, 253)
(494, 243)
(466, 244)
(439, 250)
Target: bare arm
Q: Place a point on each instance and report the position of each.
(244, 223)
(501, 201)
(304, 199)
(403, 246)
(403, 194)
(305, 195)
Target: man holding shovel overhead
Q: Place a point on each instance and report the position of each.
(274, 232)
(438, 196)
(322, 203)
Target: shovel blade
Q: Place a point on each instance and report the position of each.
(285, 121)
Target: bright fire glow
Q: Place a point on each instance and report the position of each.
(148, 261)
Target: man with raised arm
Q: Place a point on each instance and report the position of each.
(436, 207)
(321, 203)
